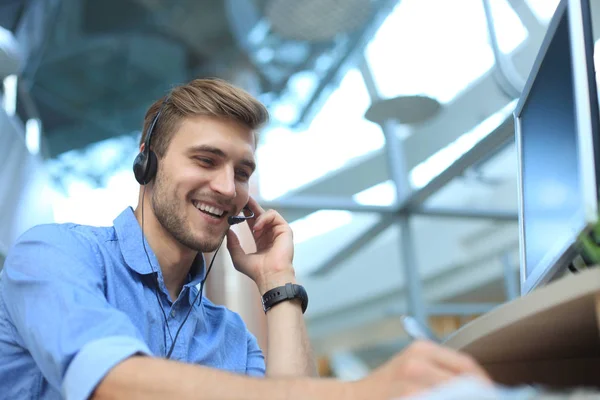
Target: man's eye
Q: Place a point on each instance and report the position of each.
(206, 161)
(243, 175)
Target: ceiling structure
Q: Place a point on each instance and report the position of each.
(94, 66)
(445, 247)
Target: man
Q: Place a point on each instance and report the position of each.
(116, 312)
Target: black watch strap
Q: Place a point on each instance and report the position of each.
(282, 293)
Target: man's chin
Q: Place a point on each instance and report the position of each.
(208, 244)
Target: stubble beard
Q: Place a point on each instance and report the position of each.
(172, 217)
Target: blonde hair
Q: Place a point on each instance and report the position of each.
(211, 97)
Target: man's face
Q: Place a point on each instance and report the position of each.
(203, 179)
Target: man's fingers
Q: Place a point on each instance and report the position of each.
(426, 373)
(262, 218)
(233, 245)
(461, 364)
(271, 217)
(451, 360)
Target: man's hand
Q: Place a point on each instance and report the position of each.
(420, 367)
(271, 264)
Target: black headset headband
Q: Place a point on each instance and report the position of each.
(151, 128)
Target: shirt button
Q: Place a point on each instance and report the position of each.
(172, 313)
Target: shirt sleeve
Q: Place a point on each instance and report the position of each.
(53, 288)
(256, 359)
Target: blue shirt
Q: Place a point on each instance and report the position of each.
(76, 300)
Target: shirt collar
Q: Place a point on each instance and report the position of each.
(129, 233)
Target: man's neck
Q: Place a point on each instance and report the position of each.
(174, 259)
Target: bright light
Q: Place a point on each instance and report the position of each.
(10, 94)
(96, 206)
(33, 134)
(265, 55)
(303, 84)
(319, 223)
(382, 194)
(285, 112)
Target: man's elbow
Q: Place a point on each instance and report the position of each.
(121, 381)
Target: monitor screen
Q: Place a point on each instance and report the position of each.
(549, 154)
(553, 121)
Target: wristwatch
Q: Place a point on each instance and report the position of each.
(282, 293)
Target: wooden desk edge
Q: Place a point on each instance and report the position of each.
(566, 289)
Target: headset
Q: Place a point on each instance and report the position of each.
(145, 164)
(145, 167)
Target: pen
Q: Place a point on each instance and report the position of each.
(416, 330)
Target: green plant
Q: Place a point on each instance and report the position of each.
(589, 245)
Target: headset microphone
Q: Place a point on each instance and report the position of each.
(240, 218)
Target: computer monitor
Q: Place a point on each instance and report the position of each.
(556, 123)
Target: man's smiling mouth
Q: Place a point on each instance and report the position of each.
(208, 209)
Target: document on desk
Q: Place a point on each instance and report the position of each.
(472, 389)
(468, 388)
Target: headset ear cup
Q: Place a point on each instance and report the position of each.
(151, 167)
(139, 168)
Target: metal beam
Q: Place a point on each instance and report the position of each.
(499, 215)
(510, 82)
(399, 175)
(414, 290)
(310, 204)
(353, 246)
(394, 147)
(535, 28)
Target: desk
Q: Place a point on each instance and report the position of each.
(551, 336)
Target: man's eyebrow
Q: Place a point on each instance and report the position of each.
(220, 153)
(207, 149)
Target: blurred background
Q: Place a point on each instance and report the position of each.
(390, 150)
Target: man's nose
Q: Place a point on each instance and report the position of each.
(224, 182)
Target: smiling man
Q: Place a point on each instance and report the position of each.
(118, 312)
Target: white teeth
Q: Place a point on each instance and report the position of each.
(210, 209)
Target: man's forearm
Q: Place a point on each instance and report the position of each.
(152, 378)
(288, 348)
